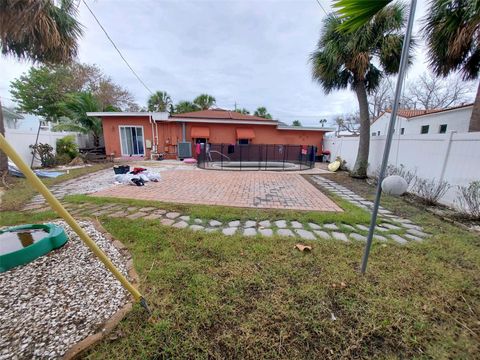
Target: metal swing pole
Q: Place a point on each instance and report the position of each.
(58, 207)
(391, 128)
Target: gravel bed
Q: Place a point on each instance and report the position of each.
(59, 299)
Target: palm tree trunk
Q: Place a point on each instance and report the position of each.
(3, 157)
(475, 118)
(361, 163)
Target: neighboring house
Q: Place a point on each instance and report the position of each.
(11, 119)
(434, 121)
(142, 133)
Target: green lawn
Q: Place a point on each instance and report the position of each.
(214, 296)
(20, 191)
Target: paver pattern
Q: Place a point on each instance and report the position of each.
(230, 188)
(391, 229)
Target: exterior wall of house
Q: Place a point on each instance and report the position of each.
(170, 133)
(456, 120)
(264, 134)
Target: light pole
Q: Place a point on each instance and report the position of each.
(391, 127)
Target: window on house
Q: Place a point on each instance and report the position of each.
(424, 129)
(243, 141)
(374, 133)
(402, 131)
(378, 133)
(200, 141)
(443, 129)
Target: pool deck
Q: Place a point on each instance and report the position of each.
(255, 189)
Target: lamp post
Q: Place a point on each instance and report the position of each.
(391, 128)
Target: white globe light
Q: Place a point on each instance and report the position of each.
(394, 185)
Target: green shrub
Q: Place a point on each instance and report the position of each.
(62, 159)
(67, 146)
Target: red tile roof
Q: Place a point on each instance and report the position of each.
(219, 114)
(406, 113)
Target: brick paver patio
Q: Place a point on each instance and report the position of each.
(230, 188)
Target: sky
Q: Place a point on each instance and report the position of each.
(248, 52)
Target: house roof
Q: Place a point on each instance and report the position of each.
(219, 114)
(406, 113)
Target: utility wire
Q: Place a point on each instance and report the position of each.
(116, 48)
(318, 2)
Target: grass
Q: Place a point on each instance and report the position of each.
(214, 296)
(350, 215)
(236, 297)
(20, 190)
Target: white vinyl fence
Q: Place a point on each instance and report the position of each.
(454, 157)
(21, 139)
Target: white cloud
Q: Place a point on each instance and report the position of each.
(254, 53)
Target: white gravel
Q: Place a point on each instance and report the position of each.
(59, 299)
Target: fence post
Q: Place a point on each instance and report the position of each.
(448, 146)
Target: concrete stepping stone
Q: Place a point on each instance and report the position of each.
(266, 232)
(235, 223)
(265, 223)
(101, 212)
(167, 222)
(180, 225)
(198, 221)
(404, 221)
(160, 211)
(249, 231)
(285, 232)
(153, 216)
(412, 226)
(358, 237)
(136, 215)
(314, 226)
(118, 214)
(132, 208)
(296, 224)
(417, 233)
(146, 209)
(339, 236)
(305, 234)
(398, 239)
(362, 227)
(322, 234)
(391, 226)
(413, 237)
(379, 237)
(380, 228)
(196, 227)
(211, 230)
(250, 224)
(172, 215)
(214, 223)
(330, 226)
(281, 224)
(229, 231)
(185, 218)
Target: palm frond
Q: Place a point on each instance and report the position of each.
(356, 13)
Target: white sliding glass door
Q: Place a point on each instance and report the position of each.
(131, 139)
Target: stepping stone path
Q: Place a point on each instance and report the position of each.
(393, 229)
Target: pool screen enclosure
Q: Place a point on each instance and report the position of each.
(255, 157)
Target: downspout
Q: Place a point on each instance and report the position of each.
(184, 131)
(154, 148)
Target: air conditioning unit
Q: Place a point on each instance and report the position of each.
(184, 150)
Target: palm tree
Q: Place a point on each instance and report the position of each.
(41, 31)
(185, 106)
(296, 123)
(242, 111)
(160, 101)
(347, 59)
(204, 101)
(262, 112)
(76, 107)
(452, 32)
